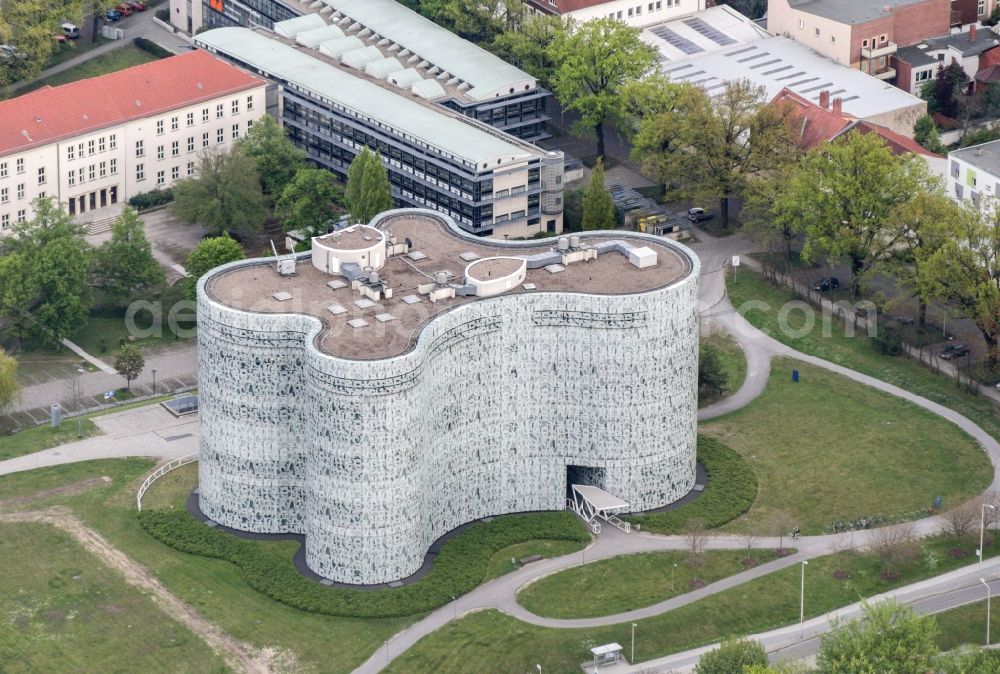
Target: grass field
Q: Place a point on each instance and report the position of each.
(624, 583)
(125, 56)
(843, 451)
(500, 644)
(858, 353)
(501, 564)
(967, 625)
(63, 610)
(102, 333)
(734, 364)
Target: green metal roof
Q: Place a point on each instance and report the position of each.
(487, 75)
(437, 130)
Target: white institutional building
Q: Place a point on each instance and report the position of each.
(95, 143)
(406, 377)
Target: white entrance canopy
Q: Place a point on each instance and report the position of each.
(591, 503)
(599, 499)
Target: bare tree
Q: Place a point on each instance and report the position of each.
(695, 536)
(894, 545)
(963, 519)
(780, 524)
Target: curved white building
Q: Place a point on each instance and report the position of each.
(411, 378)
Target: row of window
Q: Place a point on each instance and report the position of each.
(93, 172)
(22, 215)
(161, 175)
(637, 10)
(18, 167)
(220, 112)
(175, 146)
(91, 147)
(5, 193)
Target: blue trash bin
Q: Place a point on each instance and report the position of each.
(795, 376)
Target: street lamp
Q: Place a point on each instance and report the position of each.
(154, 381)
(982, 526)
(539, 668)
(802, 595)
(989, 594)
(76, 395)
(674, 568)
(633, 644)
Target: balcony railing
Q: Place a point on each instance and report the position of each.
(886, 49)
(887, 74)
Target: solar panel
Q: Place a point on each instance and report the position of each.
(816, 88)
(764, 64)
(751, 58)
(788, 77)
(805, 81)
(776, 70)
(675, 40)
(712, 33)
(741, 51)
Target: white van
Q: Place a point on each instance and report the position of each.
(70, 30)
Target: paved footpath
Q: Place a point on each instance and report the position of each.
(716, 309)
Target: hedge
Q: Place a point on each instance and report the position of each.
(150, 199)
(731, 490)
(459, 567)
(151, 47)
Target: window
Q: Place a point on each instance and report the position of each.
(191, 144)
(881, 62)
(236, 130)
(91, 172)
(923, 75)
(20, 191)
(71, 152)
(970, 178)
(190, 168)
(954, 169)
(159, 152)
(140, 149)
(71, 178)
(113, 141)
(174, 123)
(204, 139)
(160, 179)
(41, 195)
(802, 24)
(101, 145)
(864, 43)
(4, 195)
(175, 148)
(236, 106)
(220, 135)
(864, 66)
(82, 175)
(175, 172)
(619, 15)
(630, 11)
(114, 167)
(90, 147)
(650, 7)
(140, 173)
(19, 165)
(104, 169)
(833, 39)
(249, 102)
(883, 38)
(981, 8)
(204, 115)
(190, 119)
(219, 112)
(159, 127)
(659, 5)
(817, 31)
(41, 175)
(249, 125)
(3, 169)
(79, 150)
(21, 215)
(638, 10)
(5, 221)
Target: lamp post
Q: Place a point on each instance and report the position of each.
(982, 526)
(539, 668)
(76, 396)
(802, 596)
(989, 595)
(454, 606)
(154, 381)
(672, 569)
(632, 660)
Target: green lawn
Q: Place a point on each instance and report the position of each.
(65, 611)
(734, 364)
(123, 57)
(967, 625)
(104, 332)
(858, 353)
(500, 563)
(843, 451)
(498, 643)
(629, 582)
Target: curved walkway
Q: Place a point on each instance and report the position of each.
(716, 310)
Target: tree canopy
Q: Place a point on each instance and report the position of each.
(124, 265)
(309, 201)
(225, 196)
(368, 190)
(889, 639)
(277, 158)
(732, 657)
(209, 254)
(595, 62)
(10, 390)
(598, 209)
(129, 363)
(530, 46)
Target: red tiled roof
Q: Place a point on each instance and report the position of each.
(896, 142)
(812, 124)
(54, 113)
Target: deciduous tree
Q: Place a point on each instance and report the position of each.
(889, 639)
(129, 363)
(732, 657)
(225, 196)
(124, 264)
(368, 190)
(28, 27)
(276, 156)
(926, 134)
(711, 147)
(595, 61)
(598, 209)
(529, 47)
(10, 390)
(309, 201)
(209, 254)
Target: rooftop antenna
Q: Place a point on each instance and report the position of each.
(284, 266)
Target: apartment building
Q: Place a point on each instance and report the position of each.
(97, 142)
(920, 63)
(490, 182)
(863, 35)
(633, 12)
(475, 82)
(974, 175)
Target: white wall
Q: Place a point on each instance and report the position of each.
(643, 12)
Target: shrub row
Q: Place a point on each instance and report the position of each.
(151, 47)
(459, 567)
(731, 490)
(150, 199)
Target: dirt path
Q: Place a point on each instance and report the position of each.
(239, 655)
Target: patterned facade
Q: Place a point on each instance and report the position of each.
(496, 403)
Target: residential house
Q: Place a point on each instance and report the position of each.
(637, 13)
(920, 63)
(974, 174)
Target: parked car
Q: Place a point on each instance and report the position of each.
(112, 15)
(698, 214)
(70, 30)
(954, 351)
(826, 284)
(124, 8)
(138, 6)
